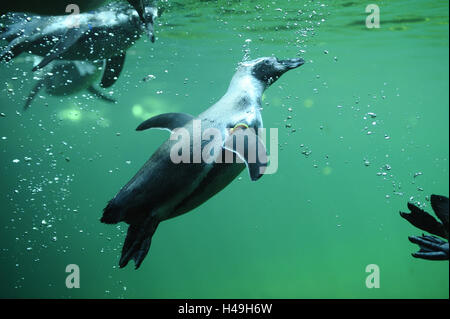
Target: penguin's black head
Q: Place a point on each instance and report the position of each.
(268, 70)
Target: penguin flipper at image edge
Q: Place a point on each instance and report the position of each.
(166, 121)
(440, 205)
(70, 37)
(113, 68)
(424, 221)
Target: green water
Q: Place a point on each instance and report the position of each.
(308, 231)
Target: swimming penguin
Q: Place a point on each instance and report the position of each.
(431, 247)
(163, 189)
(58, 7)
(103, 34)
(69, 77)
(48, 7)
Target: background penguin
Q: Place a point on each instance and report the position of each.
(69, 77)
(58, 7)
(162, 189)
(47, 7)
(103, 34)
(431, 247)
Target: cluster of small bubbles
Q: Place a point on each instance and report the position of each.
(306, 152)
(417, 174)
(149, 78)
(246, 49)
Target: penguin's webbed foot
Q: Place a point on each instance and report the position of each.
(431, 247)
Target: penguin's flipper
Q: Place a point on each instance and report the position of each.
(100, 95)
(424, 221)
(70, 37)
(137, 243)
(112, 69)
(431, 248)
(166, 121)
(39, 85)
(249, 148)
(440, 205)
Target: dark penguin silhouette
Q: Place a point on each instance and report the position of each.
(58, 7)
(102, 34)
(69, 77)
(163, 189)
(431, 247)
(47, 7)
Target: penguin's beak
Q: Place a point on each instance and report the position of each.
(150, 31)
(139, 6)
(292, 63)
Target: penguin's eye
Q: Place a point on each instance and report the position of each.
(267, 62)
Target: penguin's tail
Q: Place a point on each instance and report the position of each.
(15, 28)
(14, 24)
(137, 243)
(139, 235)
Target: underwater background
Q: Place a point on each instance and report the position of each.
(363, 129)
